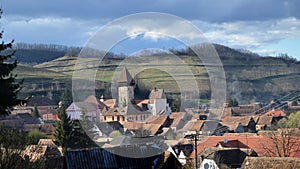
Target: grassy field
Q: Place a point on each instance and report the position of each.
(261, 78)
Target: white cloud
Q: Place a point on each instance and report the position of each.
(58, 30)
(251, 34)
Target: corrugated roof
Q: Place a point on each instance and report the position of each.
(104, 159)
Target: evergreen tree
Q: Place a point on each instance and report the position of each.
(36, 112)
(8, 84)
(233, 102)
(66, 97)
(63, 130)
(83, 134)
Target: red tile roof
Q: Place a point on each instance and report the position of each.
(92, 99)
(110, 103)
(141, 102)
(231, 144)
(156, 94)
(156, 120)
(260, 144)
(275, 113)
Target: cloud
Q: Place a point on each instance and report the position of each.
(250, 34)
(205, 10)
(250, 24)
(57, 30)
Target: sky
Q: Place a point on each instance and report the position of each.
(266, 27)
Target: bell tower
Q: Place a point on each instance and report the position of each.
(125, 88)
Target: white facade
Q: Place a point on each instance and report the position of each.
(208, 164)
(158, 106)
(75, 111)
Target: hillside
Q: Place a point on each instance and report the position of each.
(249, 76)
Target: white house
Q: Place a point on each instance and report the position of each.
(158, 103)
(91, 107)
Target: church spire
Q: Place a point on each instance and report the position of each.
(125, 78)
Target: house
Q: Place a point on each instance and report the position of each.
(244, 109)
(135, 113)
(260, 144)
(158, 103)
(271, 162)
(213, 127)
(24, 121)
(277, 114)
(152, 129)
(224, 158)
(164, 121)
(113, 114)
(205, 127)
(185, 146)
(192, 127)
(239, 124)
(91, 107)
(131, 112)
(47, 108)
(207, 164)
(46, 151)
(106, 128)
(110, 103)
(265, 122)
(98, 158)
(179, 119)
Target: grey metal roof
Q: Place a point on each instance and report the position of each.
(104, 159)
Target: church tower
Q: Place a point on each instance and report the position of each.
(125, 88)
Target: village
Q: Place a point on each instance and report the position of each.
(245, 136)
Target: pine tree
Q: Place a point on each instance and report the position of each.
(82, 135)
(8, 84)
(66, 97)
(36, 112)
(63, 130)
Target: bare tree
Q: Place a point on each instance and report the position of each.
(281, 143)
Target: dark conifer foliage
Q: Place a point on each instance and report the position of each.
(8, 83)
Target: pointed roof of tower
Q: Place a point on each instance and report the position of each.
(125, 77)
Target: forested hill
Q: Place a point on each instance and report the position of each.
(248, 75)
(38, 53)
